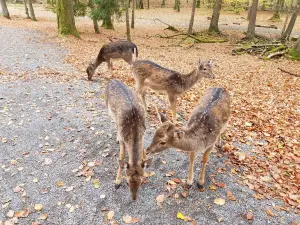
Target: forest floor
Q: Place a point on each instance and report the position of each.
(58, 155)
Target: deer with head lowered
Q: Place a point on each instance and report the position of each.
(128, 114)
(121, 49)
(148, 74)
(204, 127)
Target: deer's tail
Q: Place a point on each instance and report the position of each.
(135, 53)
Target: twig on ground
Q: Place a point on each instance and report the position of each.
(285, 71)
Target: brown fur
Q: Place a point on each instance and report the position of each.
(129, 117)
(150, 75)
(208, 120)
(114, 50)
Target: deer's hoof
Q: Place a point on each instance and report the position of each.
(117, 186)
(200, 186)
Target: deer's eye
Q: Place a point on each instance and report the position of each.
(205, 68)
(162, 143)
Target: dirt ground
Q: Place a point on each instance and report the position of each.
(58, 145)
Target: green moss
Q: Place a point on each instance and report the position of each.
(293, 54)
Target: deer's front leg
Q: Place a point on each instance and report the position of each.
(191, 169)
(173, 102)
(121, 157)
(205, 159)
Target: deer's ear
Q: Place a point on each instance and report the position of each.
(123, 164)
(162, 117)
(178, 134)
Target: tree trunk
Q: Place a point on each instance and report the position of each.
(251, 25)
(198, 4)
(249, 10)
(297, 47)
(190, 31)
(127, 21)
(132, 16)
(26, 10)
(107, 23)
(32, 15)
(276, 15)
(5, 12)
(213, 27)
(177, 5)
(148, 4)
(65, 18)
(292, 22)
(163, 3)
(286, 20)
(95, 22)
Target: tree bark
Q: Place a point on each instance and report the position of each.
(107, 23)
(95, 22)
(296, 48)
(127, 21)
(198, 4)
(65, 18)
(190, 30)
(292, 22)
(132, 16)
(249, 10)
(251, 25)
(276, 15)
(5, 12)
(214, 27)
(26, 10)
(148, 4)
(32, 15)
(163, 3)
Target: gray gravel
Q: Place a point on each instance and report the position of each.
(68, 123)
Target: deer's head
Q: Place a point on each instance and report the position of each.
(204, 69)
(165, 135)
(90, 70)
(134, 176)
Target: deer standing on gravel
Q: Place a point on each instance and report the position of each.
(149, 74)
(128, 114)
(114, 50)
(203, 130)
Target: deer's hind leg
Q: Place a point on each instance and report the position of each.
(205, 159)
(121, 159)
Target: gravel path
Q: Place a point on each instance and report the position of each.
(51, 130)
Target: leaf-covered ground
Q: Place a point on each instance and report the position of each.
(58, 150)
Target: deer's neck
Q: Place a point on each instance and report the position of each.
(135, 150)
(186, 143)
(190, 79)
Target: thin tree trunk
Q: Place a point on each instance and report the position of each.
(132, 16)
(297, 47)
(198, 4)
(127, 21)
(276, 15)
(32, 15)
(65, 18)
(95, 22)
(163, 3)
(252, 21)
(292, 22)
(249, 10)
(5, 12)
(286, 20)
(107, 23)
(148, 4)
(190, 31)
(26, 10)
(178, 5)
(214, 27)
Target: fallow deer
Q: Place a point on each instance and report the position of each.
(204, 127)
(128, 114)
(148, 74)
(114, 50)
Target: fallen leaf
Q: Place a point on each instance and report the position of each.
(230, 196)
(110, 215)
(128, 219)
(38, 207)
(160, 199)
(69, 189)
(59, 183)
(10, 213)
(35, 223)
(184, 194)
(220, 219)
(270, 213)
(20, 214)
(294, 223)
(48, 161)
(219, 201)
(180, 216)
(249, 216)
(43, 216)
(35, 180)
(71, 209)
(212, 187)
(241, 155)
(193, 222)
(221, 185)
(96, 183)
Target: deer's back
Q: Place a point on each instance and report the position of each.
(125, 108)
(157, 77)
(212, 113)
(117, 49)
